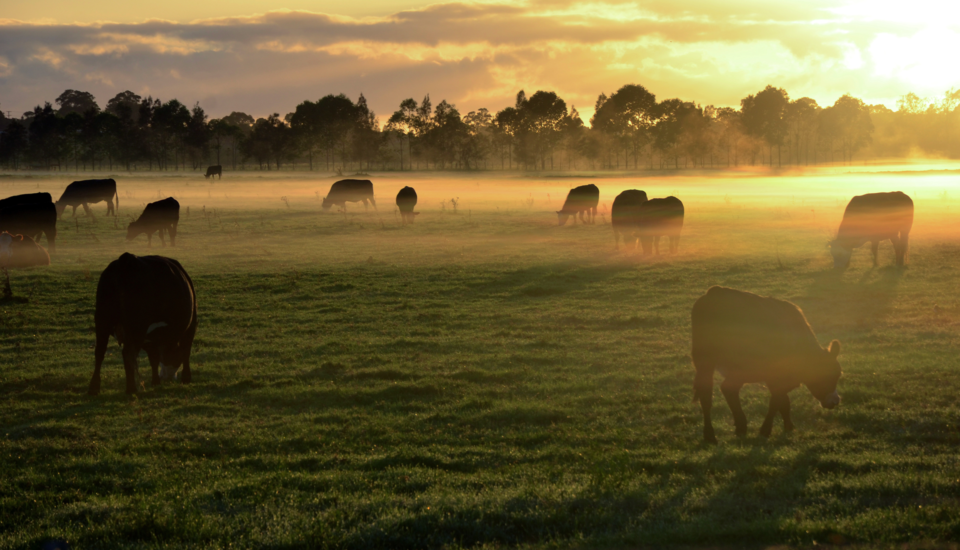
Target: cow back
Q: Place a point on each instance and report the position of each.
(625, 211)
(876, 215)
(29, 198)
(407, 199)
(661, 216)
(582, 198)
(89, 191)
(350, 190)
(162, 211)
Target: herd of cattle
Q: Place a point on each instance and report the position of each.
(148, 303)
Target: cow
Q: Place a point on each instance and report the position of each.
(752, 339)
(21, 251)
(214, 171)
(148, 303)
(660, 218)
(406, 201)
(625, 216)
(82, 193)
(345, 191)
(31, 219)
(157, 216)
(29, 198)
(873, 217)
(579, 200)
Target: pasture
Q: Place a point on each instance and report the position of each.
(482, 378)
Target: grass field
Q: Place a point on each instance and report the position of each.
(483, 378)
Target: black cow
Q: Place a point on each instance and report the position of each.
(157, 216)
(31, 219)
(873, 217)
(579, 200)
(406, 201)
(625, 216)
(147, 303)
(660, 218)
(752, 339)
(29, 198)
(83, 193)
(214, 171)
(345, 191)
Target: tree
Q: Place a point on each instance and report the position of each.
(847, 123)
(401, 123)
(13, 144)
(672, 115)
(74, 101)
(763, 117)
(220, 130)
(541, 119)
(628, 117)
(125, 105)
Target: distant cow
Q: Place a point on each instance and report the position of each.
(625, 216)
(873, 217)
(21, 251)
(31, 219)
(406, 201)
(579, 200)
(157, 216)
(214, 171)
(660, 218)
(29, 198)
(147, 303)
(83, 193)
(345, 191)
(752, 339)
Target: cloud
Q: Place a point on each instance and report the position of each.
(474, 55)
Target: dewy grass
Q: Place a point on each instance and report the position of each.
(480, 381)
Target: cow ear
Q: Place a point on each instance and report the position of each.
(834, 349)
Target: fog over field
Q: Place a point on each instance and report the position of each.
(484, 377)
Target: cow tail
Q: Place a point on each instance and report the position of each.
(702, 380)
(117, 194)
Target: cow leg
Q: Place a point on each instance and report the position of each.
(374, 203)
(172, 231)
(731, 391)
(154, 366)
(776, 404)
(703, 392)
(130, 352)
(86, 210)
(674, 244)
(875, 247)
(785, 413)
(163, 243)
(902, 251)
(99, 352)
(74, 211)
(593, 215)
(366, 205)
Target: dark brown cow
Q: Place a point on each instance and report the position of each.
(158, 216)
(20, 251)
(31, 219)
(406, 202)
(147, 303)
(579, 200)
(874, 217)
(345, 191)
(29, 198)
(752, 339)
(625, 217)
(214, 171)
(660, 218)
(85, 192)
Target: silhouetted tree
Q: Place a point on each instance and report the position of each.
(75, 101)
(763, 117)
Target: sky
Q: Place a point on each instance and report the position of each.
(260, 56)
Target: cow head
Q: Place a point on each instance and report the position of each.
(827, 374)
(841, 255)
(562, 217)
(61, 206)
(133, 231)
(170, 361)
(327, 203)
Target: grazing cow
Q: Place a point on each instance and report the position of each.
(214, 171)
(29, 198)
(658, 218)
(873, 217)
(625, 216)
(21, 251)
(752, 339)
(406, 201)
(31, 220)
(579, 200)
(157, 216)
(148, 303)
(345, 191)
(83, 193)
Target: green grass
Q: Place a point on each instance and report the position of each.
(485, 379)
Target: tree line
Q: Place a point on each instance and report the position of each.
(630, 129)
